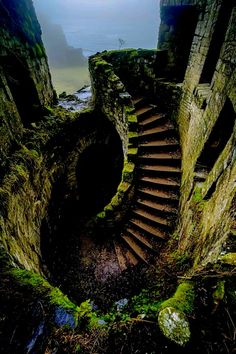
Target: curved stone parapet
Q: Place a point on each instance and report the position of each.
(112, 100)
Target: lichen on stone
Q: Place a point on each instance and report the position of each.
(172, 317)
(174, 325)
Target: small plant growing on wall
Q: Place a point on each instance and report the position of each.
(121, 42)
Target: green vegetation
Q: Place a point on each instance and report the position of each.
(197, 195)
(219, 292)
(52, 296)
(129, 54)
(172, 316)
(183, 299)
(229, 258)
(146, 304)
(181, 259)
(174, 325)
(40, 285)
(38, 50)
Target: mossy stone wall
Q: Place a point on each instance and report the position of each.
(26, 187)
(205, 222)
(138, 69)
(21, 52)
(112, 99)
(110, 96)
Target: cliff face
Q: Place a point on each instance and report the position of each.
(25, 82)
(25, 91)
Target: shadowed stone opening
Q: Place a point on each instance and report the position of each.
(218, 138)
(77, 256)
(98, 174)
(176, 35)
(23, 89)
(216, 41)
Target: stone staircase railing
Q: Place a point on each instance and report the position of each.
(113, 101)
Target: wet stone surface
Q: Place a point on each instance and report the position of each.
(76, 102)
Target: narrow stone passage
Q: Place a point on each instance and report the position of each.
(155, 203)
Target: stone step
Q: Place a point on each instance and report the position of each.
(200, 176)
(156, 130)
(157, 187)
(150, 217)
(133, 261)
(120, 254)
(135, 247)
(159, 193)
(137, 235)
(160, 168)
(148, 229)
(157, 206)
(124, 256)
(160, 181)
(138, 100)
(159, 143)
(154, 118)
(143, 112)
(162, 156)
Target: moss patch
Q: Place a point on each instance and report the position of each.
(229, 258)
(172, 316)
(174, 325)
(183, 299)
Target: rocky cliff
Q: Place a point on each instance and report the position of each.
(25, 79)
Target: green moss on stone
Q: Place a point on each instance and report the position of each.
(128, 172)
(132, 118)
(101, 215)
(21, 171)
(174, 325)
(132, 135)
(26, 277)
(39, 50)
(123, 187)
(229, 258)
(132, 122)
(130, 110)
(132, 151)
(197, 194)
(172, 316)
(59, 299)
(42, 287)
(54, 296)
(219, 292)
(183, 299)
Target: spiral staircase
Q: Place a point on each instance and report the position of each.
(155, 202)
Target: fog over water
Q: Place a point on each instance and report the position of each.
(96, 25)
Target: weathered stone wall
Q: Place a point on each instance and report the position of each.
(110, 96)
(205, 217)
(25, 81)
(110, 93)
(24, 195)
(26, 189)
(114, 102)
(178, 22)
(138, 69)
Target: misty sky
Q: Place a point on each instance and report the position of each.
(97, 24)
